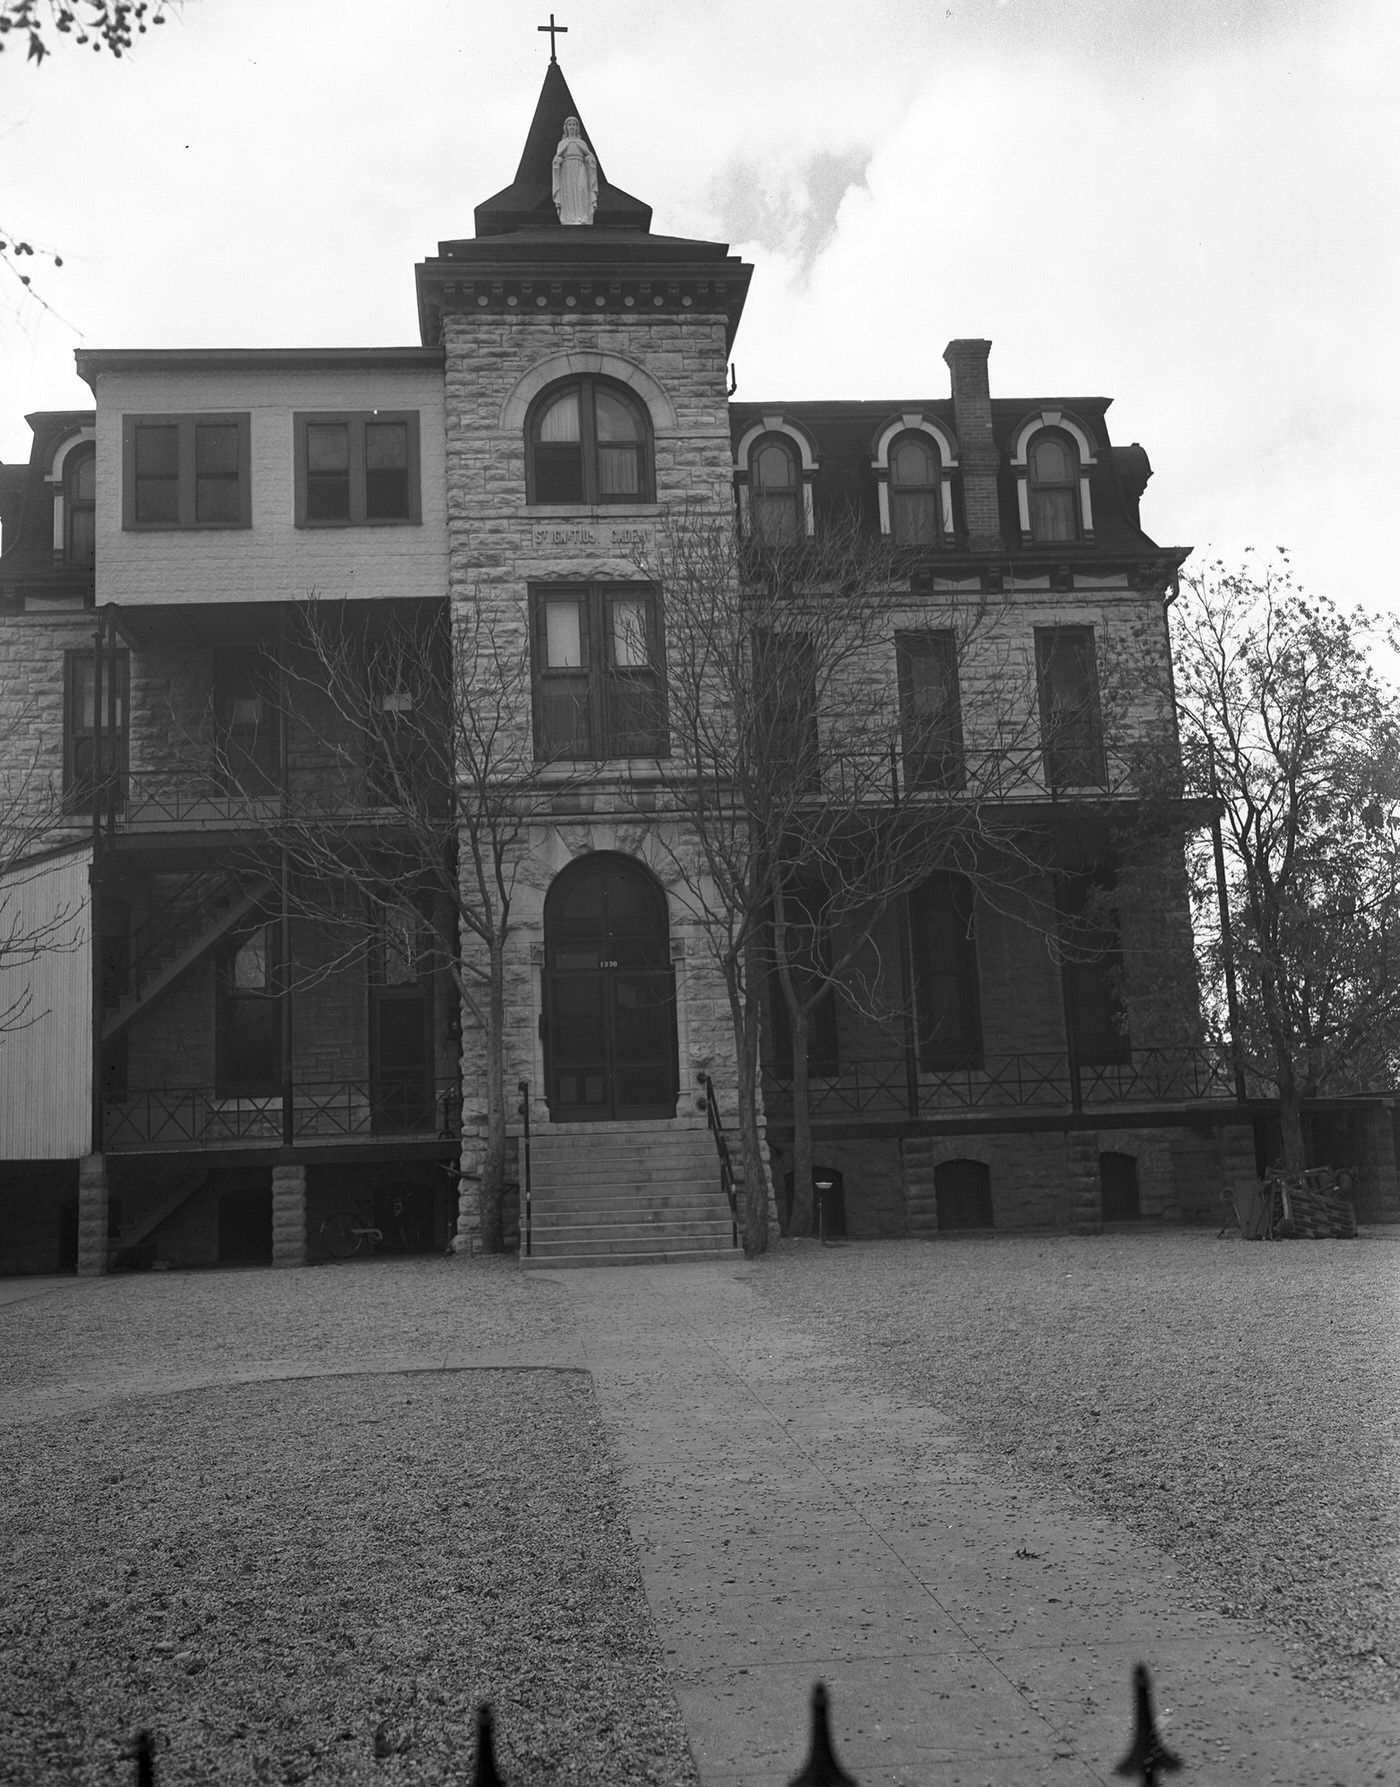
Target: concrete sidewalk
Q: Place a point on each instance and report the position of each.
(790, 1524)
(792, 1527)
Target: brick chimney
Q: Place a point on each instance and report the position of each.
(972, 417)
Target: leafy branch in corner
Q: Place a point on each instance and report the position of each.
(97, 24)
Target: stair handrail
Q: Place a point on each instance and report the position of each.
(726, 1166)
(525, 1187)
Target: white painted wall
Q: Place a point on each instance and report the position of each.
(46, 1048)
(273, 560)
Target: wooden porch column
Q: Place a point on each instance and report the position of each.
(289, 1216)
(92, 1216)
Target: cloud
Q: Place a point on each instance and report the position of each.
(791, 211)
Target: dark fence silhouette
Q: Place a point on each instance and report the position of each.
(1148, 1758)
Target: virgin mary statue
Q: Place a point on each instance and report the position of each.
(575, 177)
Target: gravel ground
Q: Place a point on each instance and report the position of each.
(319, 1580)
(1236, 1403)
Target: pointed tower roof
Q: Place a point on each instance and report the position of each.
(528, 203)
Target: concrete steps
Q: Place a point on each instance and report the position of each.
(621, 1194)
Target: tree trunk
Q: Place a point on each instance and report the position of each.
(491, 1192)
(803, 1220)
(753, 1225)
(1290, 1115)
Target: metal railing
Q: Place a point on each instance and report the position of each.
(726, 1165)
(1146, 1760)
(880, 1086)
(526, 1185)
(155, 800)
(322, 1110)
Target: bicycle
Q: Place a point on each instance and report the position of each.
(345, 1233)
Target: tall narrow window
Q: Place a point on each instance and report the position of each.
(808, 952)
(785, 745)
(1069, 707)
(1052, 480)
(914, 491)
(775, 491)
(95, 727)
(80, 506)
(946, 995)
(930, 714)
(248, 1036)
(1093, 969)
(245, 700)
(589, 443)
(599, 691)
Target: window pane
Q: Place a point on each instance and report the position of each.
(629, 633)
(216, 447)
(1054, 514)
(912, 462)
(386, 495)
(619, 472)
(1052, 461)
(82, 536)
(386, 446)
(327, 447)
(82, 484)
(250, 964)
(774, 467)
(327, 471)
(216, 498)
(615, 418)
(157, 450)
(563, 636)
(560, 422)
(558, 474)
(776, 516)
(914, 517)
(400, 943)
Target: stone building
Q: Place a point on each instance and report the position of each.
(212, 1067)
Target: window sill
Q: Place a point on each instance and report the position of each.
(185, 527)
(316, 527)
(590, 511)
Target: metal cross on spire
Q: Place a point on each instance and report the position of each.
(551, 27)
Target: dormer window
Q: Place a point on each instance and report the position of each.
(914, 503)
(80, 506)
(913, 461)
(589, 442)
(775, 491)
(1052, 480)
(1052, 457)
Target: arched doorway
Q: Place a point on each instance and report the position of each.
(609, 994)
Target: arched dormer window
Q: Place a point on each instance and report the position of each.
(80, 505)
(914, 461)
(1052, 456)
(588, 441)
(914, 482)
(774, 465)
(775, 491)
(1052, 486)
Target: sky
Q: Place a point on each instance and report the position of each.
(1190, 206)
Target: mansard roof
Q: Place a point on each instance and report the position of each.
(528, 202)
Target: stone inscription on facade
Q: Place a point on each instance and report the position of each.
(605, 538)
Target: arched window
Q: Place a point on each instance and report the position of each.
(589, 442)
(914, 491)
(80, 506)
(1052, 477)
(775, 491)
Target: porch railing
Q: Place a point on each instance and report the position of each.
(726, 1165)
(322, 1110)
(876, 1087)
(156, 800)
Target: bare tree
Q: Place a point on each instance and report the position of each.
(814, 793)
(1289, 728)
(32, 829)
(424, 788)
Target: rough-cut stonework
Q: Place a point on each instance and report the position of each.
(92, 1216)
(289, 1216)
